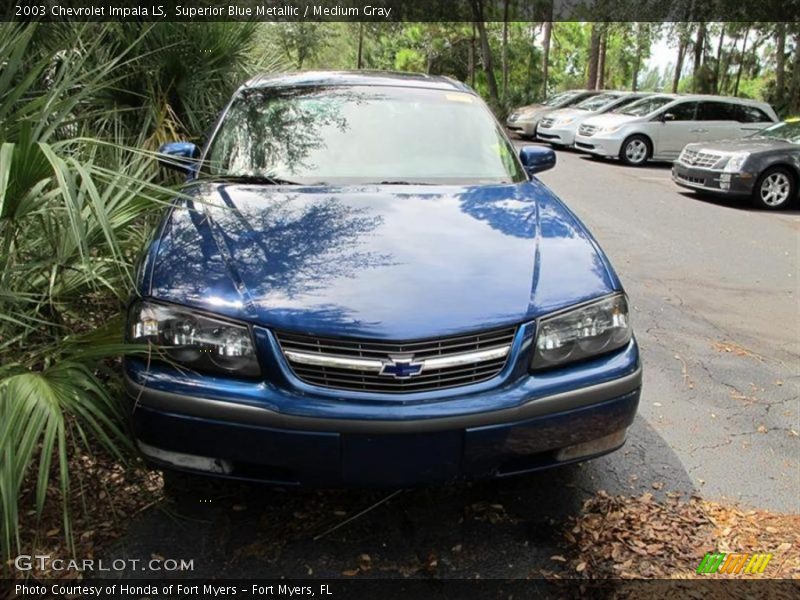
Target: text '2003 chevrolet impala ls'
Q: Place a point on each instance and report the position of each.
(363, 284)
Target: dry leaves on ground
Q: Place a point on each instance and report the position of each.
(105, 497)
(639, 537)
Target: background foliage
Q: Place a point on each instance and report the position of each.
(82, 107)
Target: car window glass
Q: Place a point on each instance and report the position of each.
(685, 111)
(626, 101)
(751, 114)
(645, 106)
(787, 130)
(719, 111)
(596, 102)
(573, 100)
(362, 135)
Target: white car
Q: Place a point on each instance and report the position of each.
(659, 126)
(524, 120)
(560, 126)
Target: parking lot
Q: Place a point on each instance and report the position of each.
(714, 289)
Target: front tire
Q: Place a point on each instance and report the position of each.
(635, 151)
(775, 189)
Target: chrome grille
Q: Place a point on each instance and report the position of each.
(587, 130)
(547, 122)
(694, 158)
(352, 364)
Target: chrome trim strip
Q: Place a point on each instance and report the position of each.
(376, 366)
(456, 360)
(339, 362)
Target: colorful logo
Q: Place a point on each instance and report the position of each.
(719, 562)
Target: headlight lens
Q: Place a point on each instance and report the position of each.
(565, 121)
(610, 128)
(736, 162)
(590, 330)
(194, 340)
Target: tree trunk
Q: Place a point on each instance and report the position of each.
(360, 44)
(637, 57)
(548, 28)
(601, 59)
(505, 50)
(718, 62)
(794, 89)
(780, 64)
(486, 52)
(594, 56)
(471, 66)
(741, 63)
(676, 78)
(699, 48)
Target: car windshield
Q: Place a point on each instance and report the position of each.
(597, 102)
(559, 98)
(361, 134)
(645, 106)
(788, 130)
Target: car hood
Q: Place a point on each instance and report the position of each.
(610, 120)
(563, 113)
(391, 262)
(748, 144)
(533, 112)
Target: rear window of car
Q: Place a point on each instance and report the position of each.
(752, 114)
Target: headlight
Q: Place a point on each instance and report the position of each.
(609, 129)
(736, 162)
(194, 340)
(566, 121)
(589, 330)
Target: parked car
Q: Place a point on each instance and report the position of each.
(559, 126)
(327, 306)
(523, 121)
(658, 127)
(764, 166)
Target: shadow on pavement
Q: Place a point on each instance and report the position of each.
(505, 528)
(737, 203)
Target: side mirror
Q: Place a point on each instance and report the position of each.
(180, 156)
(667, 117)
(536, 159)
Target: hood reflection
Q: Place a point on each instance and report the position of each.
(393, 262)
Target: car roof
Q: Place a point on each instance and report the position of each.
(363, 77)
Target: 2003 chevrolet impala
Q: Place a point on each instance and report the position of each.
(363, 284)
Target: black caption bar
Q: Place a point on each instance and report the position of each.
(396, 589)
(401, 10)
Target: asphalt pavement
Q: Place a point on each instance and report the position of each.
(714, 289)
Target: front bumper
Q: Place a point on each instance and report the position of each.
(597, 144)
(526, 127)
(531, 423)
(563, 136)
(696, 178)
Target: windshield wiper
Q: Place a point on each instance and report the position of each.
(255, 179)
(400, 182)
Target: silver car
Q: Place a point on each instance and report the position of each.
(523, 121)
(559, 127)
(659, 126)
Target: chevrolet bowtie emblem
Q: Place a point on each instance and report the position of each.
(401, 367)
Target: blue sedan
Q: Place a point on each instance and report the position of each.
(364, 284)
